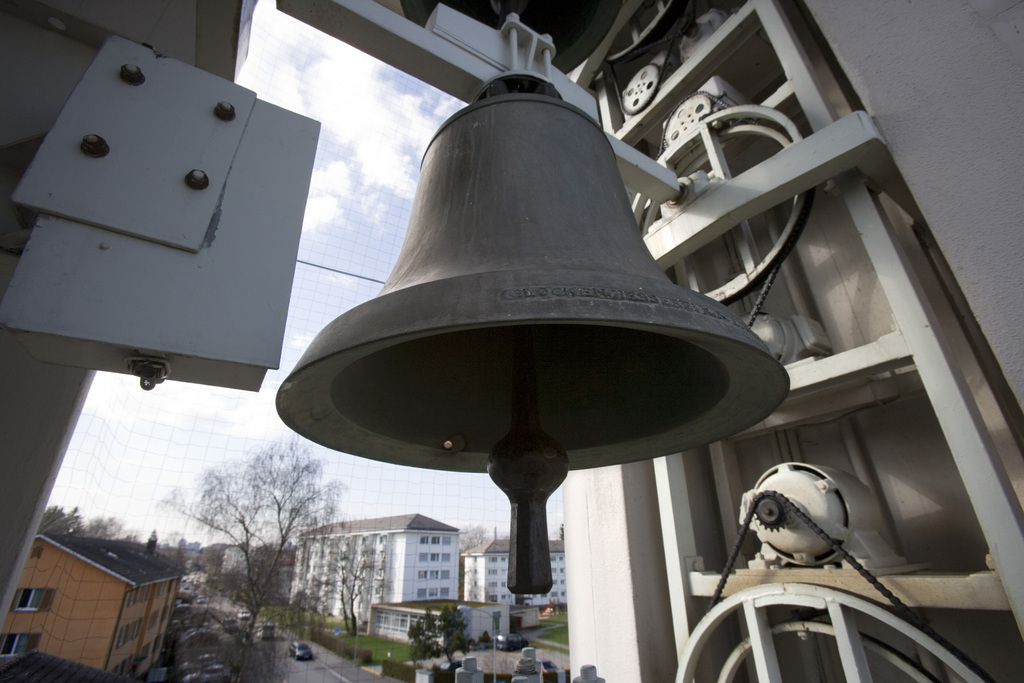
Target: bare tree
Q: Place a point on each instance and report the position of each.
(472, 536)
(110, 528)
(347, 573)
(59, 522)
(355, 576)
(259, 506)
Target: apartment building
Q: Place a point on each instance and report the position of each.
(487, 569)
(101, 603)
(383, 560)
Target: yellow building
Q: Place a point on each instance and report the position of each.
(101, 603)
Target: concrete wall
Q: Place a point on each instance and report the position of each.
(944, 81)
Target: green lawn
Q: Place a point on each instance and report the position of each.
(381, 647)
(558, 634)
(287, 617)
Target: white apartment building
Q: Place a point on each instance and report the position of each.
(372, 561)
(487, 572)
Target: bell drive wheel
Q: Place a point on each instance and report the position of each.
(695, 140)
(842, 609)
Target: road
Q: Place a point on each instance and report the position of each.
(327, 667)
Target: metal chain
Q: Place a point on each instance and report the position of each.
(769, 278)
(907, 614)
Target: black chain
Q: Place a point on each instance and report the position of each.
(769, 278)
(907, 614)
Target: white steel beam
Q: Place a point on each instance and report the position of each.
(680, 541)
(458, 55)
(974, 453)
(851, 142)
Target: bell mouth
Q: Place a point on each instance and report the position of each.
(624, 377)
(598, 386)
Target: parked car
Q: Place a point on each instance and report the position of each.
(511, 641)
(243, 615)
(548, 665)
(300, 650)
(450, 666)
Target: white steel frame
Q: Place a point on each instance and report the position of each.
(850, 146)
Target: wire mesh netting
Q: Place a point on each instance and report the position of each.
(132, 449)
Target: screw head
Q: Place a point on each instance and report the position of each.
(94, 146)
(132, 74)
(197, 180)
(225, 111)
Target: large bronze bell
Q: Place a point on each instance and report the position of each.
(524, 301)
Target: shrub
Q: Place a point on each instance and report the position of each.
(340, 647)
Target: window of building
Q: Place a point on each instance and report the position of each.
(135, 628)
(504, 560)
(447, 540)
(159, 589)
(444, 592)
(131, 597)
(17, 643)
(122, 635)
(492, 584)
(32, 599)
(424, 540)
(421, 574)
(421, 593)
(144, 593)
(446, 574)
(432, 592)
(434, 557)
(446, 557)
(492, 559)
(152, 619)
(492, 571)
(491, 597)
(435, 540)
(423, 557)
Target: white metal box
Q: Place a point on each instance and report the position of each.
(126, 259)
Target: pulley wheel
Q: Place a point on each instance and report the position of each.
(641, 90)
(688, 114)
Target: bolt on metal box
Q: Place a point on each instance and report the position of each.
(168, 206)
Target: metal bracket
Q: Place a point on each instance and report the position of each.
(851, 142)
(458, 55)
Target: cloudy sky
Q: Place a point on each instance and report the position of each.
(132, 448)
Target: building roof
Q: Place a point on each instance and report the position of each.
(414, 522)
(39, 667)
(126, 560)
(500, 547)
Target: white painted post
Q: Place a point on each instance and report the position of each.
(588, 674)
(526, 667)
(469, 673)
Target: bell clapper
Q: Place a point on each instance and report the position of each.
(528, 465)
